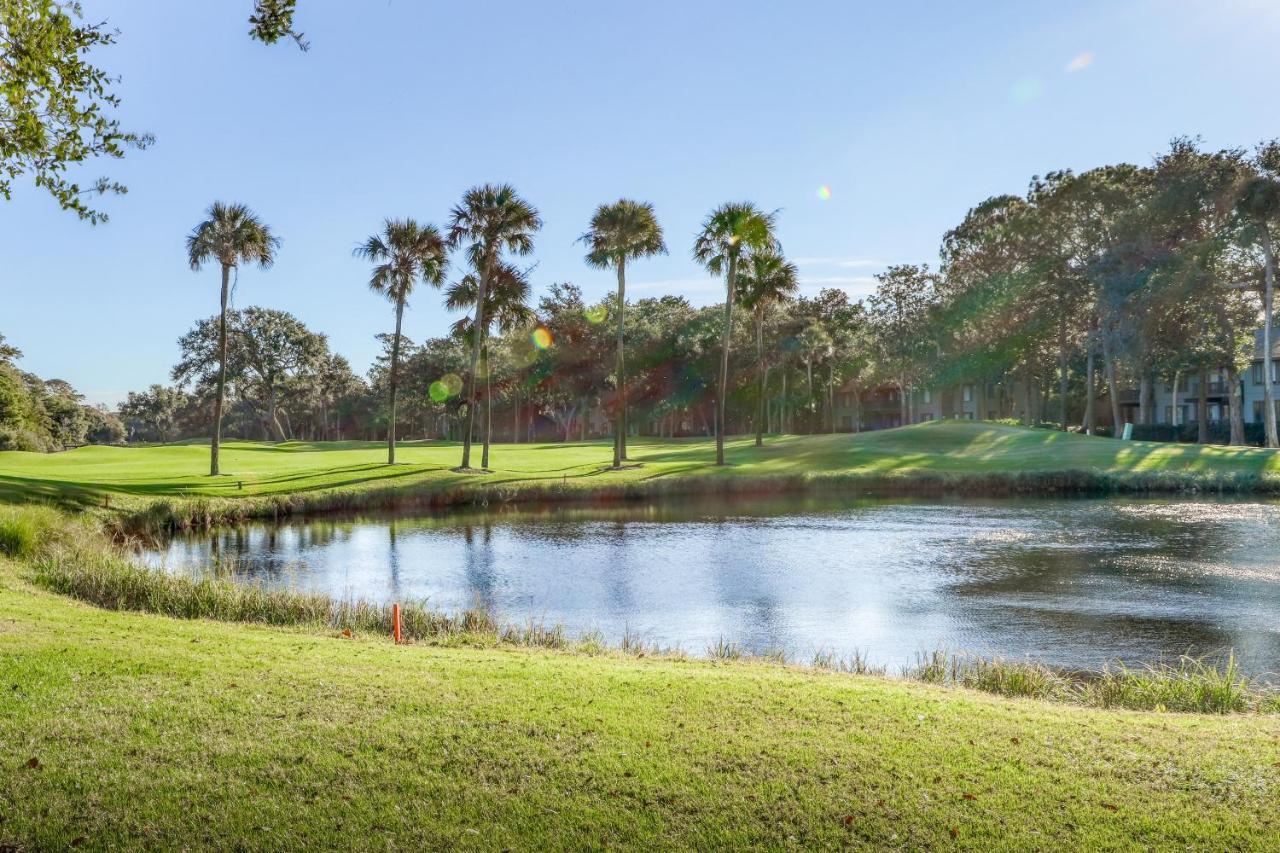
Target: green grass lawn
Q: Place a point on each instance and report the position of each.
(132, 730)
(124, 729)
(257, 469)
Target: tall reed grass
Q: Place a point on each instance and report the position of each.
(23, 529)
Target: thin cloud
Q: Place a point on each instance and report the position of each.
(679, 286)
(845, 263)
(838, 279)
(857, 286)
(1079, 63)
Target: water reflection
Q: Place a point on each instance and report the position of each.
(1072, 583)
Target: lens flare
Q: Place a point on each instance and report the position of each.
(452, 384)
(824, 193)
(437, 392)
(595, 314)
(542, 338)
(1026, 90)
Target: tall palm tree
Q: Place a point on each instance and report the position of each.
(490, 219)
(620, 231)
(767, 280)
(730, 232)
(506, 306)
(231, 235)
(403, 254)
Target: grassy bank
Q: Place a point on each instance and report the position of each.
(160, 488)
(122, 728)
(76, 561)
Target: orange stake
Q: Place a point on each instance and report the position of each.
(395, 622)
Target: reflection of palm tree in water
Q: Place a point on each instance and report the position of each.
(618, 574)
(479, 568)
(393, 559)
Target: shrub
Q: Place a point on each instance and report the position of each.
(20, 438)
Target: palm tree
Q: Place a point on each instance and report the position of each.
(767, 280)
(231, 235)
(404, 254)
(506, 305)
(619, 231)
(489, 219)
(730, 231)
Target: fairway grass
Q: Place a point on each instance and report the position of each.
(273, 479)
(120, 729)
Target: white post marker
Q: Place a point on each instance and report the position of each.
(1128, 432)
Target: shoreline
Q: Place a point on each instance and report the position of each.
(167, 515)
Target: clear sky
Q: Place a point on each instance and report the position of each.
(910, 112)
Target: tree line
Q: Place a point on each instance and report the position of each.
(1056, 301)
(42, 415)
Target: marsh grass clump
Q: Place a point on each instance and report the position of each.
(535, 634)
(24, 529)
(990, 675)
(855, 663)
(1191, 684)
(722, 649)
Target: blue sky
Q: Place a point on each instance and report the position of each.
(909, 112)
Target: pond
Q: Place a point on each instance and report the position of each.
(1072, 583)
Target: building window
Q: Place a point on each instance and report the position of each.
(968, 416)
(926, 396)
(967, 393)
(927, 416)
(1257, 373)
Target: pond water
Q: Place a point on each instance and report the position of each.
(1072, 583)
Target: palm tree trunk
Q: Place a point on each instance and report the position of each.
(1268, 389)
(215, 443)
(731, 283)
(620, 438)
(395, 366)
(831, 396)
(808, 387)
(488, 404)
(476, 325)
(760, 401)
